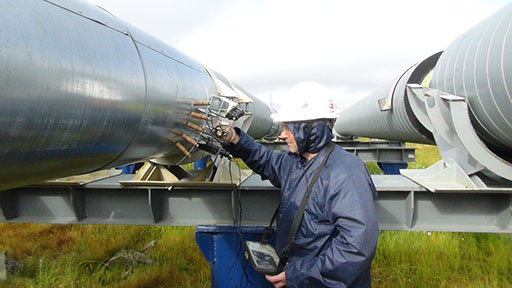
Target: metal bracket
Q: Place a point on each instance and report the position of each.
(151, 174)
(449, 144)
(410, 211)
(386, 103)
(416, 95)
(78, 201)
(156, 199)
(505, 216)
(464, 154)
(8, 205)
(444, 173)
(475, 147)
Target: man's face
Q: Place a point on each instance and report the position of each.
(287, 135)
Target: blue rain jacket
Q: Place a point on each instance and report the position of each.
(337, 237)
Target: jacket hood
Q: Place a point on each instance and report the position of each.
(311, 136)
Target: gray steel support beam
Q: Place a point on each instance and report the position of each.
(367, 151)
(402, 205)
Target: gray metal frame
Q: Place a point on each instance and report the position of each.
(402, 205)
(367, 151)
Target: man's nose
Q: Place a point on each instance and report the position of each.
(283, 135)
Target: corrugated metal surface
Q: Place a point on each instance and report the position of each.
(478, 66)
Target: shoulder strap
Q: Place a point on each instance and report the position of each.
(268, 230)
(300, 213)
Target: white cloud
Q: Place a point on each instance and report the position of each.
(268, 46)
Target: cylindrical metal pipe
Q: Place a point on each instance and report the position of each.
(81, 90)
(386, 113)
(262, 124)
(478, 67)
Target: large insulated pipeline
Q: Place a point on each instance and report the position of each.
(476, 66)
(386, 113)
(81, 90)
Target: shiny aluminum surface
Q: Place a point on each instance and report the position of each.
(78, 93)
(71, 94)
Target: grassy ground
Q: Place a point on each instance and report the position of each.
(441, 259)
(76, 255)
(426, 155)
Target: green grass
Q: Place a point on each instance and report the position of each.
(75, 255)
(441, 259)
(426, 155)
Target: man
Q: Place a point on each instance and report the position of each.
(337, 238)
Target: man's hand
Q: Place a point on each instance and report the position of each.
(278, 280)
(225, 133)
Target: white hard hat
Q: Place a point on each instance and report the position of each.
(306, 101)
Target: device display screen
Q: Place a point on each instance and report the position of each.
(263, 257)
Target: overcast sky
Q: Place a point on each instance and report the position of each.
(267, 46)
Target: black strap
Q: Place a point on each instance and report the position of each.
(268, 230)
(283, 259)
(300, 213)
